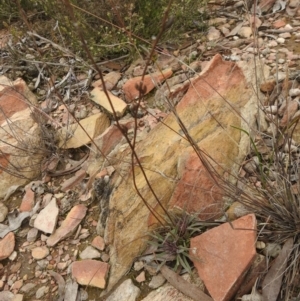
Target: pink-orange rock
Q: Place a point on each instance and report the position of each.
(11, 97)
(268, 86)
(68, 226)
(19, 135)
(291, 109)
(150, 81)
(223, 254)
(141, 277)
(17, 285)
(279, 23)
(7, 245)
(98, 242)
(28, 200)
(90, 272)
(205, 197)
(40, 252)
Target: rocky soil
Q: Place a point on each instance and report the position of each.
(76, 232)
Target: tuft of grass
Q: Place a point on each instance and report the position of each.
(171, 241)
(274, 196)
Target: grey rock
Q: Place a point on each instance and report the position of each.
(32, 234)
(3, 212)
(138, 265)
(166, 293)
(126, 291)
(42, 263)
(41, 292)
(89, 253)
(71, 290)
(27, 287)
(157, 281)
(6, 296)
(272, 249)
(83, 295)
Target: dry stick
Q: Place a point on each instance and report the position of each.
(282, 30)
(58, 47)
(70, 9)
(182, 285)
(142, 89)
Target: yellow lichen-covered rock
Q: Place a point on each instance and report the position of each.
(210, 110)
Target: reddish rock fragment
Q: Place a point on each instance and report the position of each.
(230, 248)
(28, 200)
(268, 86)
(17, 126)
(141, 277)
(289, 112)
(90, 272)
(98, 242)
(205, 197)
(131, 90)
(279, 23)
(40, 252)
(7, 245)
(68, 226)
(11, 97)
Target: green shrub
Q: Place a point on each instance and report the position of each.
(109, 27)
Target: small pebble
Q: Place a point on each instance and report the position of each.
(294, 92)
(141, 277)
(13, 256)
(260, 245)
(272, 249)
(157, 281)
(138, 265)
(280, 40)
